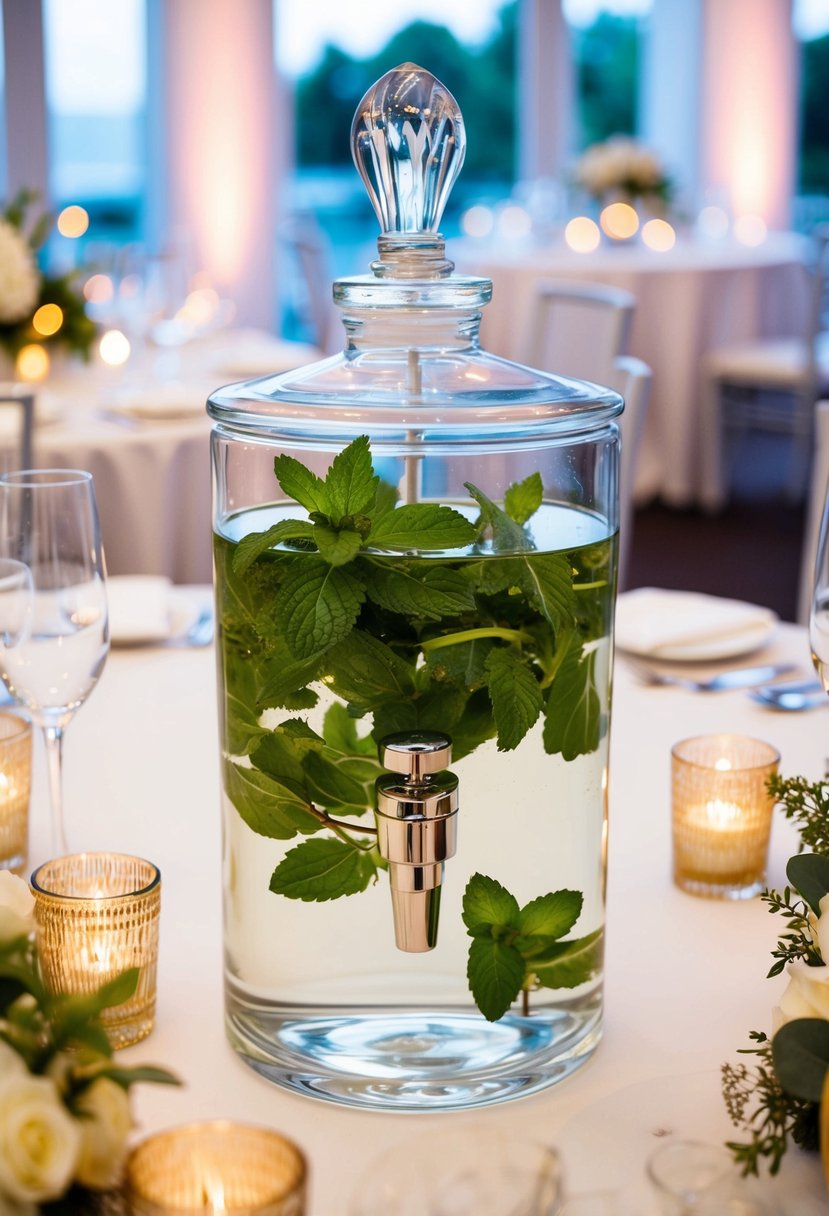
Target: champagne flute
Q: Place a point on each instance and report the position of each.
(819, 611)
(54, 629)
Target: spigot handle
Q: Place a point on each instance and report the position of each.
(416, 754)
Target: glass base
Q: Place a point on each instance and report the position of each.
(413, 1060)
(709, 889)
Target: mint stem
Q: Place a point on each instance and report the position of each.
(471, 635)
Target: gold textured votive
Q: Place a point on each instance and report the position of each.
(96, 915)
(721, 813)
(233, 1168)
(15, 785)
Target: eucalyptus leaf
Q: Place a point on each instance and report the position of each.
(809, 875)
(800, 1051)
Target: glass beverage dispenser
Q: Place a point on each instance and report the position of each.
(415, 565)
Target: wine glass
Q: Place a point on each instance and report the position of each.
(819, 611)
(54, 628)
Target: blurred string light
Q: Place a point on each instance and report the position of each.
(114, 348)
(98, 289)
(582, 234)
(658, 235)
(32, 362)
(73, 221)
(47, 320)
(478, 221)
(750, 230)
(514, 222)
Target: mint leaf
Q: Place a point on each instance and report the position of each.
(573, 719)
(432, 595)
(548, 577)
(317, 605)
(319, 870)
(286, 677)
(464, 665)
(495, 972)
(340, 733)
(364, 670)
(351, 485)
(332, 786)
(242, 732)
(516, 696)
(550, 915)
(252, 546)
(523, 498)
(385, 500)
(486, 902)
(577, 962)
(269, 807)
(423, 527)
(507, 535)
(337, 547)
(301, 484)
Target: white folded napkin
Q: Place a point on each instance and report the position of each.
(139, 608)
(688, 625)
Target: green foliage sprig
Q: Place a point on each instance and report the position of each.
(415, 617)
(779, 1099)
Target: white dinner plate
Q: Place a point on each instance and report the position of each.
(251, 359)
(161, 403)
(690, 627)
(147, 609)
(47, 410)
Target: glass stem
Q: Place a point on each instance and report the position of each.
(53, 736)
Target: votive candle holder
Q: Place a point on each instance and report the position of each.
(216, 1167)
(15, 787)
(96, 916)
(721, 814)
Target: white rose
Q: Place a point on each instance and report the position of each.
(19, 276)
(820, 929)
(11, 1064)
(16, 907)
(806, 996)
(105, 1123)
(39, 1140)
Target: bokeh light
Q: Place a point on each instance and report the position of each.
(478, 221)
(750, 230)
(658, 235)
(582, 234)
(73, 221)
(712, 222)
(114, 348)
(32, 362)
(98, 289)
(47, 320)
(514, 222)
(619, 221)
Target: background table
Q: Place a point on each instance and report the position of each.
(152, 477)
(684, 981)
(689, 299)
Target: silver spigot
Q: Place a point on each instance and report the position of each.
(417, 808)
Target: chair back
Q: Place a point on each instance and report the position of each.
(632, 378)
(17, 405)
(308, 247)
(579, 329)
(818, 486)
(817, 320)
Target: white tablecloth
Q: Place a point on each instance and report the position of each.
(685, 976)
(152, 477)
(689, 299)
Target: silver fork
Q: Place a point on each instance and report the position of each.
(740, 677)
(200, 633)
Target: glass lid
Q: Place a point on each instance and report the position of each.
(412, 358)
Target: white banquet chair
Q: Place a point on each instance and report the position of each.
(632, 378)
(819, 482)
(17, 420)
(579, 329)
(770, 385)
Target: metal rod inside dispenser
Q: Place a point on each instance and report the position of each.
(417, 808)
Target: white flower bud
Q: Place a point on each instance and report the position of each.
(16, 900)
(105, 1124)
(39, 1140)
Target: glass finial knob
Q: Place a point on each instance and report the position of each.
(408, 144)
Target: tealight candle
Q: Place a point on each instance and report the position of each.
(207, 1168)
(721, 814)
(15, 783)
(96, 916)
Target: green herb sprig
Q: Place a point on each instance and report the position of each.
(415, 617)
